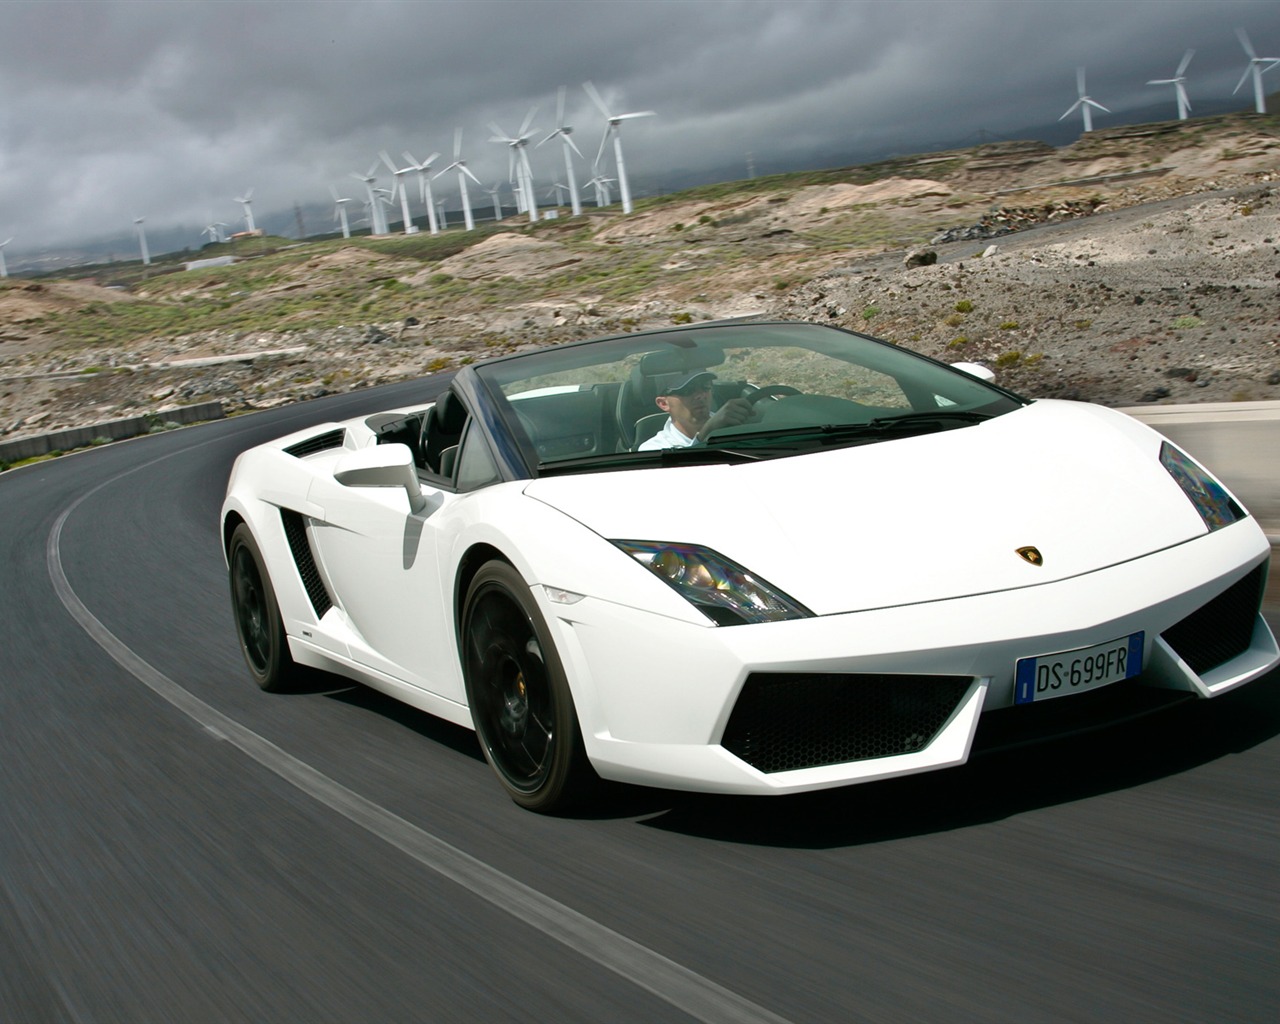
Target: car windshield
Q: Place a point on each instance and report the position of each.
(795, 388)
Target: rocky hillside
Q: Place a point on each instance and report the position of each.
(1138, 265)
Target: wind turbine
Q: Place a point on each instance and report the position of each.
(565, 132)
(519, 160)
(614, 121)
(142, 241)
(1255, 69)
(340, 211)
(246, 200)
(424, 187)
(463, 174)
(493, 194)
(4, 271)
(556, 192)
(1176, 81)
(1084, 103)
(601, 184)
(377, 222)
(399, 173)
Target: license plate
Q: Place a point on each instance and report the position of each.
(1056, 675)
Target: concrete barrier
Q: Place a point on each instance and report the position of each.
(1238, 441)
(111, 430)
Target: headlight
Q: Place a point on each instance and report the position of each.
(1215, 505)
(722, 590)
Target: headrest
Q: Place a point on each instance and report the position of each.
(450, 414)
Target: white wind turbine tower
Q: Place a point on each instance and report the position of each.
(494, 194)
(246, 201)
(1255, 69)
(565, 132)
(400, 187)
(377, 221)
(601, 184)
(1084, 103)
(142, 241)
(1184, 104)
(4, 271)
(340, 211)
(519, 160)
(464, 173)
(614, 121)
(424, 187)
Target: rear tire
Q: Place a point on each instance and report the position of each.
(258, 624)
(519, 697)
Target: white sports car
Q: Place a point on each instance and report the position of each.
(744, 557)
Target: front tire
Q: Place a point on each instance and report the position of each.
(258, 623)
(519, 698)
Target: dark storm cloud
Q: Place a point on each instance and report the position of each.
(117, 109)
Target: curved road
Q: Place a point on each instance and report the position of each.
(175, 845)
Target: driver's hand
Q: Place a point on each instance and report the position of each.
(733, 413)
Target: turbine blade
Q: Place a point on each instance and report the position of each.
(1243, 79)
(1186, 60)
(524, 128)
(572, 145)
(386, 159)
(1248, 46)
(467, 171)
(560, 107)
(595, 98)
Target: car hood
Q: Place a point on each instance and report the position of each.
(915, 519)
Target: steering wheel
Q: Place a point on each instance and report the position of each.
(772, 391)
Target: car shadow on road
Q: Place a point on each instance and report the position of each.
(991, 787)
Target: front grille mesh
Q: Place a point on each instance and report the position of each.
(1223, 628)
(296, 533)
(782, 721)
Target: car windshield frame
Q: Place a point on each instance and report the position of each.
(567, 407)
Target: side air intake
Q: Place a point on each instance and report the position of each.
(320, 443)
(296, 532)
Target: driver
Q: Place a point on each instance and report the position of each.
(687, 402)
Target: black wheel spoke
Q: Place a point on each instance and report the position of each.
(520, 702)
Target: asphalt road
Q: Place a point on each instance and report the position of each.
(176, 845)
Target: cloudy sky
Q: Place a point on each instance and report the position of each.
(168, 109)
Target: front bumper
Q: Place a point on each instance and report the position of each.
(656, 696)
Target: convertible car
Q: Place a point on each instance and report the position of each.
(877, 565)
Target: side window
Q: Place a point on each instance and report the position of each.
(475, 465)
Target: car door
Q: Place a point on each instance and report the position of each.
(387, 556)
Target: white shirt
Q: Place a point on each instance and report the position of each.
(670, 436)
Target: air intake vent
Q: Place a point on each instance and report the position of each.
(1223, 628)
(320, 443)
(786, 721)
(296, 532)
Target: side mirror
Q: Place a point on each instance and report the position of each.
(383, 465)
(975, 370)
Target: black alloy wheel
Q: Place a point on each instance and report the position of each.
(258, 623)
(519, 698)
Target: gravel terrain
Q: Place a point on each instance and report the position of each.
(1144, 268)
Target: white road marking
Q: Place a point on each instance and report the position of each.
(684, 989)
